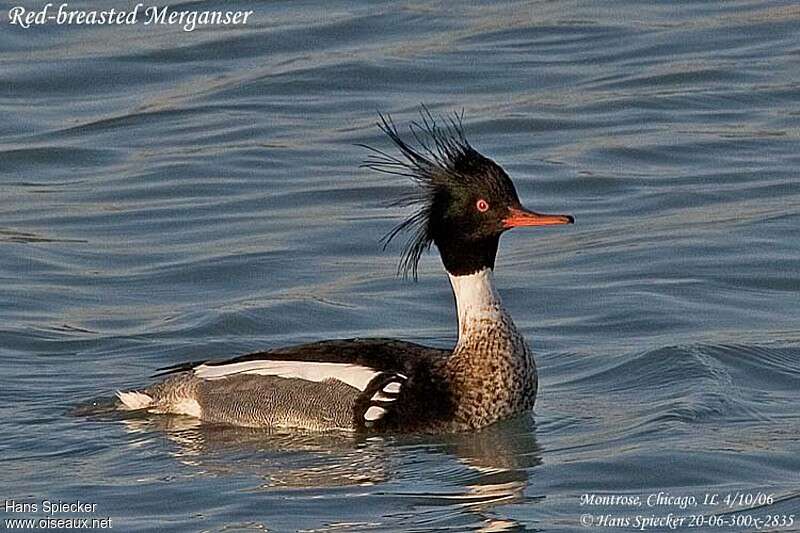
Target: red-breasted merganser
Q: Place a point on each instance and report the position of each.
(465, 202)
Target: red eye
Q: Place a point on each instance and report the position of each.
(482, 205)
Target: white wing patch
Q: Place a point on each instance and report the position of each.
(383, 398)
(354, 375)
(394, 386)
(374, 413)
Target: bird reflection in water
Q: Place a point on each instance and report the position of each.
(470, 473)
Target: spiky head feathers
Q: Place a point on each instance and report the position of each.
(462, 197)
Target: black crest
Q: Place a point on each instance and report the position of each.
(440, 161)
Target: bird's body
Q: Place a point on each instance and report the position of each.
(378, 385)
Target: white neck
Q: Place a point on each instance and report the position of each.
(477, 301)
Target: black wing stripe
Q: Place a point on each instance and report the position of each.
(384, 355)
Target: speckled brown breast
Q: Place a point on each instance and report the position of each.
(492, 373)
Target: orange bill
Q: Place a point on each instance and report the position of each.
(519, 216)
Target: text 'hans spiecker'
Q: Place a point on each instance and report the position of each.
(64, 15)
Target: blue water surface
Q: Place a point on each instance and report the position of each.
(169, 195)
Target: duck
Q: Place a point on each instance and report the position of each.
(463, 202)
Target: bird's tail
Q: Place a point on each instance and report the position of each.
(133, 400)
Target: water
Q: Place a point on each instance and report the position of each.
(169, 196)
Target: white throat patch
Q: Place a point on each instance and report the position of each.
(476, 299)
